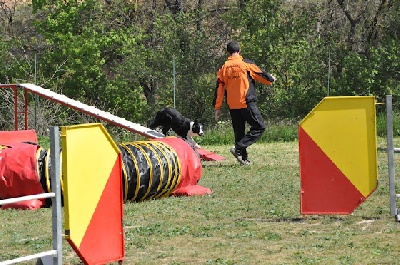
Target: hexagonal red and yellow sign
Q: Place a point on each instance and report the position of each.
(338, 155)
(93, 202)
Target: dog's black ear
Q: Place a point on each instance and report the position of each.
(149, 122)
(199, 121)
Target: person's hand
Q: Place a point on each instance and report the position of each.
(218, 114)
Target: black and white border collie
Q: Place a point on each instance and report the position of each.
(169, 118)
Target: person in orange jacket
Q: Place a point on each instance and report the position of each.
(236, 81)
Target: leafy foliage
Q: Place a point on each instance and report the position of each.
(133, 57)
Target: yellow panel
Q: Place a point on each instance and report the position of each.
(88, 157)
(345, 129)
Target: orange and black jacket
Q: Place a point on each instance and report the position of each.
(236, 79)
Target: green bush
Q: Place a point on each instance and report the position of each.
(282, 131)
(381, 124)
(277, 131)
(219, 134)
(222, 133)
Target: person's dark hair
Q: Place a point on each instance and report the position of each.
(233, 47)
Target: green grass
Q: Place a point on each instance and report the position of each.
(252, 217)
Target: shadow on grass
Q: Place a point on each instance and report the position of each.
(211, 165)
(303, 219)
(275, 220)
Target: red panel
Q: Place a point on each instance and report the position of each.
(104, 238)
(191, 168)
(9, 137)
(324, 188)
(209, 156)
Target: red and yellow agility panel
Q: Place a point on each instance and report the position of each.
(93, 203)
(338, 155)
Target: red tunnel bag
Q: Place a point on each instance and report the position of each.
(18, 175)
(191, 168)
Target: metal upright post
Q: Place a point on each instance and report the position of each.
(390, 154)
(174, 77)
(56, 187)
(329, 70)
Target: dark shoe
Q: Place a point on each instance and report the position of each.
(246, 163)
(239, 158)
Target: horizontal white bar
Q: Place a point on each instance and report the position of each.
(30, 257)
(91, 110)
(27, 198)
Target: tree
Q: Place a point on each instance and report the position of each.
(359, 46)
(282, 40)
(118, 54)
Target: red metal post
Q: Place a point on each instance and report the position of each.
(26, 108)
(15, 107)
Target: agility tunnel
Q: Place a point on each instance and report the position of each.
(160, 168)
(150, 169)
(19, 168)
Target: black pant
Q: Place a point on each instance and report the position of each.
(253, 117)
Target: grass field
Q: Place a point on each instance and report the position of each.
(252, 217)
